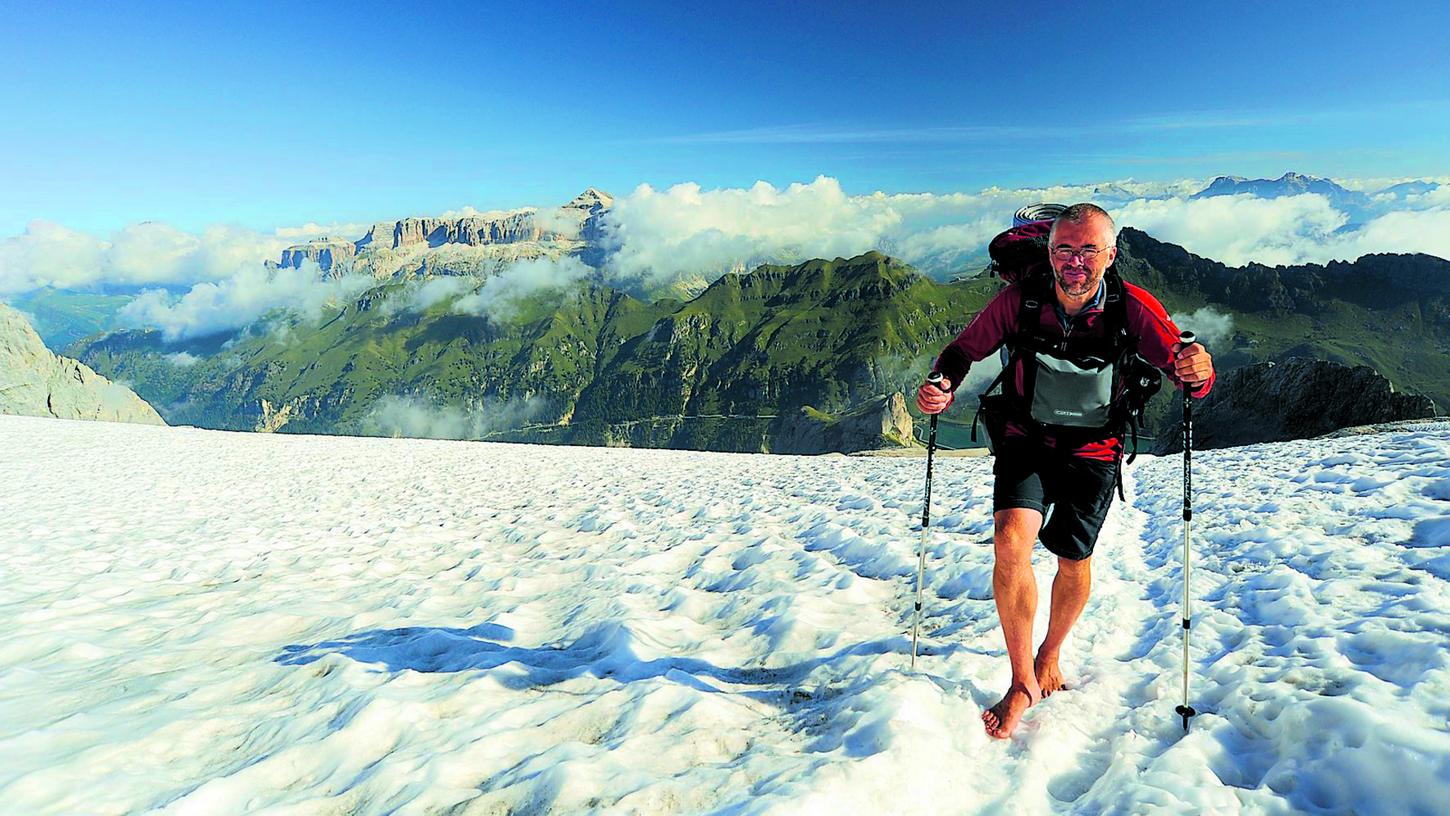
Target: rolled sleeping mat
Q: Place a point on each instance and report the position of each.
(1037, 212)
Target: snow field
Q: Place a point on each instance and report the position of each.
(207, 622)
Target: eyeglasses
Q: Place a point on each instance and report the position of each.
(1065, 253)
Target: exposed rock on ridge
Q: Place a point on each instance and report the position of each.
(325, 252)
(1296, 399)
(36, 382)
(511, 227)
(508, 228)
(877, 423)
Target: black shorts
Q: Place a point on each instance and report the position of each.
(1079, 492)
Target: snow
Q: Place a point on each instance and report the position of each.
(202, 622)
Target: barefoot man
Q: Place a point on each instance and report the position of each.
(1061, 445)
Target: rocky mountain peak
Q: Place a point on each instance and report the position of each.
(592, 197)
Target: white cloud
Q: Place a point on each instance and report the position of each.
(1240, 229)
(240, 299)
(431, 291)
(1212, 328)
(48, 254)
(149, 253)
(561, 221)
(1425, 231)
(182, 359)
(471, 212)
(659, 236)
(414, 417)
(688, 233)
(310, 230)
(501, 294)
(1438, 197)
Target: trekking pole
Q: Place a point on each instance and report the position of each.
(935, 379)
(1185, 711)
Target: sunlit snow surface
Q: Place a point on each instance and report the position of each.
(204, 622)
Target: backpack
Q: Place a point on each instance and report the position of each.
(1098, 387)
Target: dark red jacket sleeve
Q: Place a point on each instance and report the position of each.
(1156, 333)
(984, 335)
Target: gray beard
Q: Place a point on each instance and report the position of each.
(1088, 286)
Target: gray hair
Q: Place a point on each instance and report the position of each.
(1081, 213)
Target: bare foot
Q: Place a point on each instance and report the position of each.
(1049, 676)
(1001, 719)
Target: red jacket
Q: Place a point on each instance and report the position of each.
(1148, 323)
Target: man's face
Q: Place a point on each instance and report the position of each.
(1078, 275)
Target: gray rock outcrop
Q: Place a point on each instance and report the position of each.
(326, 252)
(877, 423)
(1296, 399)
(36, 382)
(507, 228)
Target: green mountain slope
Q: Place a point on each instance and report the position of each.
(587, 365)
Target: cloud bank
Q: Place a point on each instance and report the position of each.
(686, 233)
(500, 296)
(49, 254)
(664, 235)
(416, 418)
(241, 299)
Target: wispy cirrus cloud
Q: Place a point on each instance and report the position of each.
(822, 133)
(1050, 128)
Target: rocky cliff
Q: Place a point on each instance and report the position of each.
(504, 228)
(325, 252)
(881, 422)
(576, 220)
(35, 382)
(1296, 399)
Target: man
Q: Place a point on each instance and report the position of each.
(1039, 465)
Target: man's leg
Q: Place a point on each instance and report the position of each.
(1069, 595)
(1015, 590)
(1083, 492)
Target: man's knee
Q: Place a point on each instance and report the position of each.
(1081, 568)
(1015, 531)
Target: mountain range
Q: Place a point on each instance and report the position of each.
(482, 244)
(729, 369)
(732, 367)
(1358, 205)
(470, 244)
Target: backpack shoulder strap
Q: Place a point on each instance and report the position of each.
(1115, 310)
(1036, 293)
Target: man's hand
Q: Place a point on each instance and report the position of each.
(932, 399)
(1193, 364)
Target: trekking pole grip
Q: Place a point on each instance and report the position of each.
(1186, 339)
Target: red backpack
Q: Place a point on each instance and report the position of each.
(1020, 253)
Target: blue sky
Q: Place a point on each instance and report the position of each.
(270, 115)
